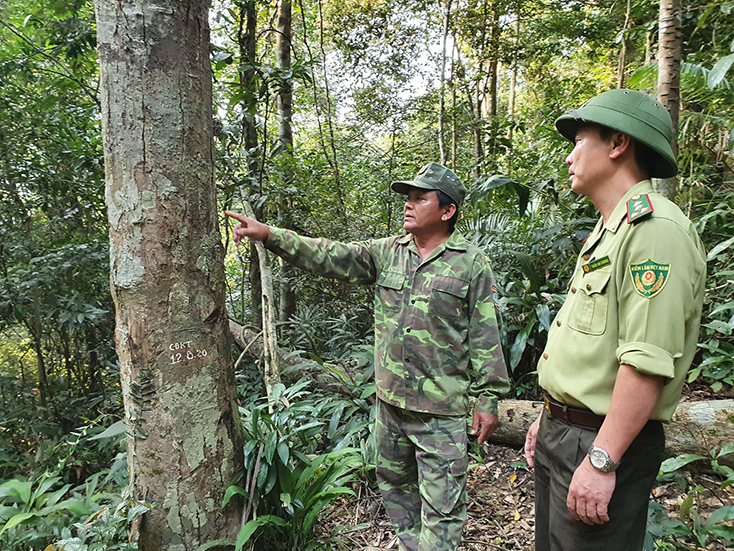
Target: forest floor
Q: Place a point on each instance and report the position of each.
(501, 509)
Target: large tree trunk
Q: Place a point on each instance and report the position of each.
(670, 45)
(166, 260)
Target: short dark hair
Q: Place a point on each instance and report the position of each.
(444, 201)
(645, 157)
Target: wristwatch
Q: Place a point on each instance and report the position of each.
(600, 460)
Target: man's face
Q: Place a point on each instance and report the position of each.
(589, 160)
(421, 213)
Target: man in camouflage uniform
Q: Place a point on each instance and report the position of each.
(437, 346)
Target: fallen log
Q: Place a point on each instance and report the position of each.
(696, 427)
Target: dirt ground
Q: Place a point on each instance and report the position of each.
(500, 510)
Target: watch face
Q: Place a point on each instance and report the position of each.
(597, 458)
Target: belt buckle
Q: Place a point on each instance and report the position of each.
(547, 405)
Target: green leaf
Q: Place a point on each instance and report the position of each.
(249, 529)
(77, 506)
(527, 265)
(283, 452)
(270, 445)
(719, 70)
(674, 463)
(543, 313)
(53, 498)
(16, 520)
(231, 492)
(722, 514)
(20, 488)
(334, 422)
(727, 449)
(44, 484)
(278, 392)
(719, 247)
(693, 374)
(115, 429)
(685, 508)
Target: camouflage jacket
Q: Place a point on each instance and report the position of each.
(437, 344)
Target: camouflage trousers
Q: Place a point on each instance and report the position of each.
(421, 471)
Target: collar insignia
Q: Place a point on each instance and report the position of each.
(639, 208)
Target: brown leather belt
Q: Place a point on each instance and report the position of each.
(575, 416)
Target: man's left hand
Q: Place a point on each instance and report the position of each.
(485, 424)
(590, 493)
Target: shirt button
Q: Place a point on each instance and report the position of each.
(407, 330)
(588, 287)
(412, 301)
(573, 289)
(545, 355)
(587, 256)
(558, 323)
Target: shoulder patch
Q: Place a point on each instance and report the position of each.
(638, 208)
(649, 277)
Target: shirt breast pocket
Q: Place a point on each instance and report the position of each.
(390, 289)
(589, 313)
(448, 297)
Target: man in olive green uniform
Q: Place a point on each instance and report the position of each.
(437, 347)
(619, 349)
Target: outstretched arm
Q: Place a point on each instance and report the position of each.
(248, 227)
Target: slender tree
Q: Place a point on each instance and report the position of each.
(167, 268)
(442, 77)
(287, 306)
(670, 46)
(247, 45)
(622, 64)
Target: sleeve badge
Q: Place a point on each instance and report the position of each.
(649, 277)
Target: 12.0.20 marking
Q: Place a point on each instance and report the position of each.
(186, 352)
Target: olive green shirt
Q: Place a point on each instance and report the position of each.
(635, 298)
(437, 343)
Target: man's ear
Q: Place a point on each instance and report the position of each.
(621, 142)
(449, 212)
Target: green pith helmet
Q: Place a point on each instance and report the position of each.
(634, 113)
(434, 176)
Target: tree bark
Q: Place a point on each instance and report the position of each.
(167, 271)
(269, 347)
(670, 46)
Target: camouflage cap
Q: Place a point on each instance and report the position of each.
(434, 176)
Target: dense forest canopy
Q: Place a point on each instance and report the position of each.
(379, 88)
